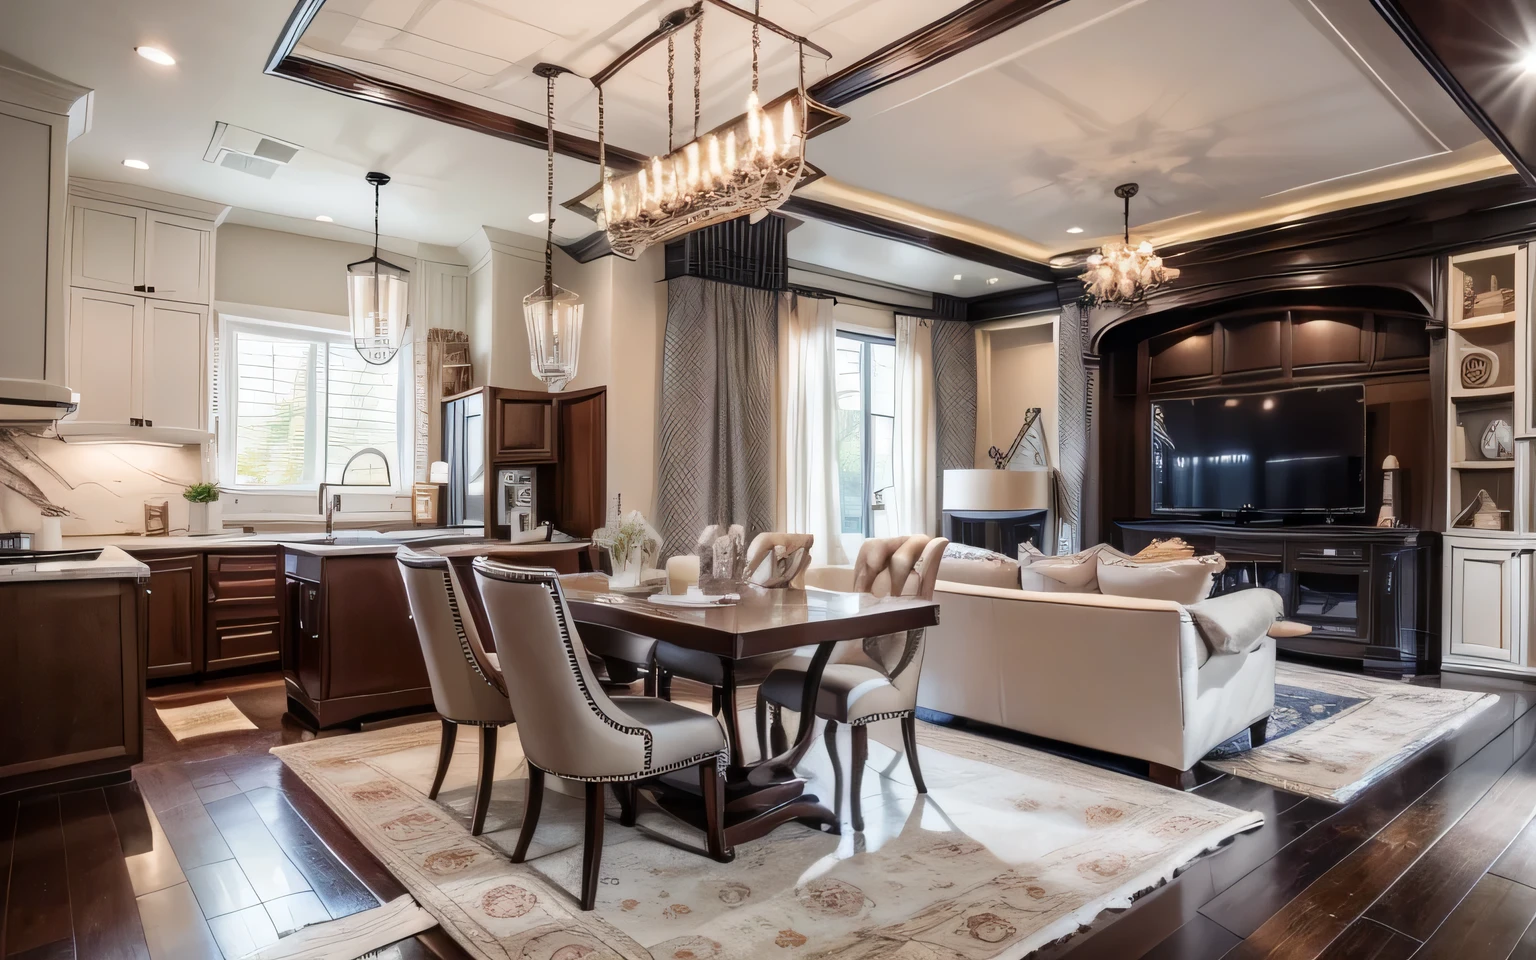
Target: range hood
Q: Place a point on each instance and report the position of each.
(34, 401)
(39, 115)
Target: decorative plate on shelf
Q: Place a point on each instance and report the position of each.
(1479, 367)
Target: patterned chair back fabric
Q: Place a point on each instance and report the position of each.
(900, 655)
(466, 685)
(568, 726)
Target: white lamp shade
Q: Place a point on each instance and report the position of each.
(997, 489)
(378, 299)
(554, 334)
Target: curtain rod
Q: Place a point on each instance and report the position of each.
(901, 308)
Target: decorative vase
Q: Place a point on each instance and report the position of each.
(628, 575)
(50, 536)
(197, 518)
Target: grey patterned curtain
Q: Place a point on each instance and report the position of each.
(954, 396)
(1074, 408)
(715, 444)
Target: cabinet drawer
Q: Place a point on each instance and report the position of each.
(242, 644)
(241, 576)
(1329, 553)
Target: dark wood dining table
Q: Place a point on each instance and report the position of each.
(759, 796)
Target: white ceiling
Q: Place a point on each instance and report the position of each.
(1221, 109)
(1213, 106)
(447, 181)
(897, 264)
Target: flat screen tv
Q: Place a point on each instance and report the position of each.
(1286, 451)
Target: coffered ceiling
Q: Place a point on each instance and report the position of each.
(1230, 113)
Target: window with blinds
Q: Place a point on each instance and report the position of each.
(298, 405)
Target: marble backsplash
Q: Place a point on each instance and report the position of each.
(105, 485)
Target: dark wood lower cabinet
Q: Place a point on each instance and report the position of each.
(175, 614)
(211, 610)
(72, 656)
(349, 644)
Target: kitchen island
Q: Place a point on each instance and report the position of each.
(350, 650)
(72, 671)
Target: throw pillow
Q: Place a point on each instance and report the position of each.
(978, 567)
(1235, 622)
(1068, 573)
(1182, 581)
(1171, 549)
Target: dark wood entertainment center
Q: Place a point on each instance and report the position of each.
(1367, 592)
(1371, 594)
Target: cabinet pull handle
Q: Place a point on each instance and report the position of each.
(140, 288)
(149, 423)
(150, 289)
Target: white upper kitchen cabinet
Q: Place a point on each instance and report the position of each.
(106, 335)
(178, 258)
(174, 366)
(107, 246)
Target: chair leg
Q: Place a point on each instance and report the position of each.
(530, 813)
(487, 777)
(856, 774)
(592, 856)
(663, 684)
(909, 739)
(837, 767)
(712, 788)
(1258, 732)
(778, 740)
(762, 726)
(732, 719)
(716, 704)
(625, 794)
(650, 682)
(444, 756)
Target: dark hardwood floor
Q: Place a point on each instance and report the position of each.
(215, 849)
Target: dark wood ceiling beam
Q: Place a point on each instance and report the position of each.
(974, 23)
(1474, 49)
(915, 236)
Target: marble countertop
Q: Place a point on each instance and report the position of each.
(113, 564)
(235, 540)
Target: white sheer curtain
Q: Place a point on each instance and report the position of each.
(807, 405)
(914, 452)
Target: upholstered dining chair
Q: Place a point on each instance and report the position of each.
(774, 560)
(467, 686)
(571, 729)
(873, 680)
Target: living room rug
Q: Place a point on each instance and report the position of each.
(202, 719)
(1011, 850)
(1334, 734)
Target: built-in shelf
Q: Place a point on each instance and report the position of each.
(1484, 464)
(1477, 393)
(1490, 320)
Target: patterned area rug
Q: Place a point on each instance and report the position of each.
(1334, 734)
(202, 719)
(1011, 850)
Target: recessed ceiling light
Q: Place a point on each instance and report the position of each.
(136, 164)
(324, 219)
(959, 277)
(156, 55)
(1074, 229)
(991, 280)
(538, 217)
(1528, 62)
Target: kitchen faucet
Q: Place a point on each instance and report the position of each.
(330, 507)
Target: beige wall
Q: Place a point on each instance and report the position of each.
(287, 270)
(1016, 370)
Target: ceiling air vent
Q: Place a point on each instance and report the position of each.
(248, 151)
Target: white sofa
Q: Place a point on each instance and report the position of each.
(1119, 674)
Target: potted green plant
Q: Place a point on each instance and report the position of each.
(202, 514)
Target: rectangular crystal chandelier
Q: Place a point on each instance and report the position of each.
(748, 166)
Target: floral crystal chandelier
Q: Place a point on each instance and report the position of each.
(378, 297)
(749, 166)
(552, 313)
(1121, 273)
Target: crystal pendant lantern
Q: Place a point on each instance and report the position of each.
(1121, 273)
(378, 297)
(552, 313)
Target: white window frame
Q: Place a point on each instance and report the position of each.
(249, 321)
